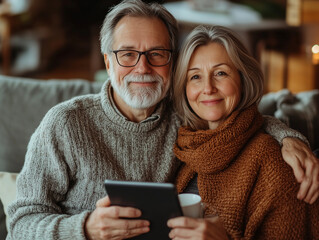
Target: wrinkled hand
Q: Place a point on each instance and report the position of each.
(305, 167)
(105, 222)
(196, 228)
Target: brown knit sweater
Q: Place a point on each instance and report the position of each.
(242, 177)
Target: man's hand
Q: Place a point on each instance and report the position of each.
(105, 222)
(197, 228)
(305, 166)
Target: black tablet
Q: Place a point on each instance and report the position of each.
(157, 201)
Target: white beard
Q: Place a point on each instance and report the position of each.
(140, 97)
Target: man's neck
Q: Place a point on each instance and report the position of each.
(132, 114)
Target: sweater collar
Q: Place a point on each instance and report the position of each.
(211, 151)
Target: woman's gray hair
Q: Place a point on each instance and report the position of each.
(252, 80)
(136, 8)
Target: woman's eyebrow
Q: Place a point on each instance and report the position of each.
(217, 65)
(192, 69)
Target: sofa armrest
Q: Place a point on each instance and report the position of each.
(7, 196)
(299, 111)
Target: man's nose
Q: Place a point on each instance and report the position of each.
(143, 65)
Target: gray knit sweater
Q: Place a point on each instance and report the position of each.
(78, 145)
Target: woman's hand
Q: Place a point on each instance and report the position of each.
(196, 228)
(105, 222)
(305, 166)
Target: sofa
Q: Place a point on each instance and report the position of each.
(24, 102)
(299, 111)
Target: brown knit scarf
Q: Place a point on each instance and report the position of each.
(207, 152)
(210, 151)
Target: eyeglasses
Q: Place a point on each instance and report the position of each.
(155, 57)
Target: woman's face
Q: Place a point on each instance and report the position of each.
(213, 86)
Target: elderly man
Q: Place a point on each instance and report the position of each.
(125, 133)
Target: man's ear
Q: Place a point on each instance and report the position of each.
(107, 62)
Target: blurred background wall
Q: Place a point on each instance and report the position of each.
(60, 39)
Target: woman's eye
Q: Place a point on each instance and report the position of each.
(221, 73)
(194, 77)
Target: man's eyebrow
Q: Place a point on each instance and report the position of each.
(159, 47)
(126, 47)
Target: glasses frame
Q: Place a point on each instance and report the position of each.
(145, 54)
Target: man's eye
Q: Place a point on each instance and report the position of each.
(155, 54)
(129, 54)
(126, 54)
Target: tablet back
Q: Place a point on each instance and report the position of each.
(157, 201)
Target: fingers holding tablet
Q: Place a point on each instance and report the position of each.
(158, 202)
(197, 228)
(118, 212)
(103, 202)
(113, 222)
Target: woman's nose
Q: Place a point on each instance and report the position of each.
(209, 88)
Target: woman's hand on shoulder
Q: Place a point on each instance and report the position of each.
(305, 167)
(197, 228)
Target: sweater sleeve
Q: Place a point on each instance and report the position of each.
(274, 204)
(42, 184)
(278, 130)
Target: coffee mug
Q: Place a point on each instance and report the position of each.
(191, 205)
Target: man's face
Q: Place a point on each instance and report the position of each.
(143, 85)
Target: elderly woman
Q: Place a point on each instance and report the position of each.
(227, 158)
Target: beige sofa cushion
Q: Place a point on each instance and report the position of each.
(7, 190)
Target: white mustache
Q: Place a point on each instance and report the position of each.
(143, 78)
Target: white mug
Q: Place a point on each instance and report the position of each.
(191, 205)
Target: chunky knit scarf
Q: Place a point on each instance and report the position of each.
(211, 151)
(242, 177)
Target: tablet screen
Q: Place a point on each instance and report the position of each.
(157, 201)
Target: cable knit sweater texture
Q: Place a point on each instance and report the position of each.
(78, 145)
(242, 177)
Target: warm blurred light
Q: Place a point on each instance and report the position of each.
(315, 49)
(315, 54)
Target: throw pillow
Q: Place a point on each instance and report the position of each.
(7, 190)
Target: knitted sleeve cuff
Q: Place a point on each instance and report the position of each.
(278, 130)
(73, 227)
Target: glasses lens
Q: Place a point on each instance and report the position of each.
(158, 57)
(127, 58)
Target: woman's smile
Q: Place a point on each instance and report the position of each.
(211, 102)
